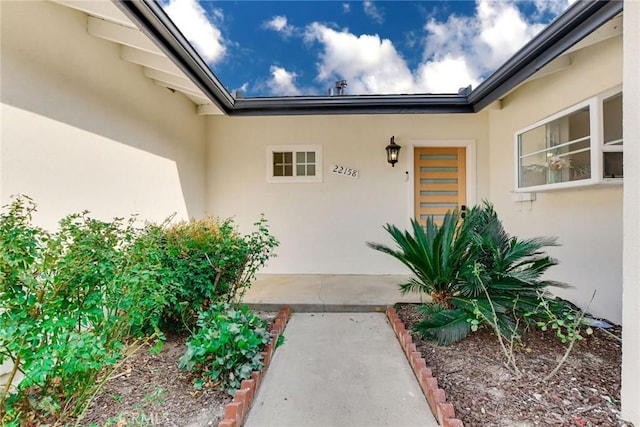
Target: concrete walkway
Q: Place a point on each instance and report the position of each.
(327, 292)
(339, 369)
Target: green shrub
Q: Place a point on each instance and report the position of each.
(210, 263)
(475, 273)
(226, 347)
(69, 301)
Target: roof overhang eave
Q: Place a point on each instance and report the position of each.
(364, 104)
(580, 20)
(155, 24)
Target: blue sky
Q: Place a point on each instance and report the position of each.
(293, 48)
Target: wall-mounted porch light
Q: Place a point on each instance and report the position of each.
(393, 150)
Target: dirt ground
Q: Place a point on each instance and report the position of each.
(150, 390)
(585, 392)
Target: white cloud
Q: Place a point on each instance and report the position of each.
(282, 82)
(447, 75)
(458, 52)
(193, 22)
(346, 7)
(554, 7)
(503, 30)
(368, 63)
(242, 89)
(279, 24)
(372, 11)
(483, 42)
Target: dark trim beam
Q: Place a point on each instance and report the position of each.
(362, 104)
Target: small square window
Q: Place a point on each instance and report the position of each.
(281, 166)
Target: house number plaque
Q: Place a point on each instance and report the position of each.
(345, 171)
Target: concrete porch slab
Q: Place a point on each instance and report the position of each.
(327, 292)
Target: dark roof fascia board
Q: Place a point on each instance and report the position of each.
(360, 104)
(580, 20)
(155, 23)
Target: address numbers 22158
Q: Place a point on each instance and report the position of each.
(345, 171)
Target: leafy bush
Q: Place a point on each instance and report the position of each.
(210, 263)
(72, 301)
(226, 347)
(475, 272)
(68, 302)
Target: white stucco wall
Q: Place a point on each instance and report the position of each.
(323, 227)
(82, 129)
(631, 242)
(587, 221)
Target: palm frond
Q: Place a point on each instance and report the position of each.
(556, 284)
(444, 326)
(433, 253)
(413, 285)
(502, 309)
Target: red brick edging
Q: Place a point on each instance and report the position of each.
(443, 411)
(236, 411)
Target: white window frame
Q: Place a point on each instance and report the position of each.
(316, 148)
(597, 146)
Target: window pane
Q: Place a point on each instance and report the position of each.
(532, 170)
(532, 141)
(580, 165)
(560, 131)
(569, 163)
(612, 116)
(558, 151)
(612, 165)
(305, 163)
(282, 165)
(579, 126)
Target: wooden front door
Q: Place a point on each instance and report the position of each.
(440, 181)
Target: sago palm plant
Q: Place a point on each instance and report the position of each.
(435, 254)
(475, 273)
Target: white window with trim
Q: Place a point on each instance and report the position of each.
(294, 163)
(579, 146)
